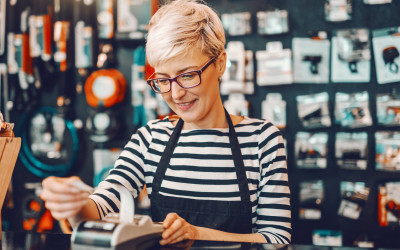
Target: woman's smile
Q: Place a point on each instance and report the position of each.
(184, 106)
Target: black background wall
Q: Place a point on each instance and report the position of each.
(304, 16)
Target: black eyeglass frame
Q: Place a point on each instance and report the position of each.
(175, 79)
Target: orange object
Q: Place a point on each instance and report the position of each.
(106, 98)
(382, 212)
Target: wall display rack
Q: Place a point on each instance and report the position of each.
(302, 19)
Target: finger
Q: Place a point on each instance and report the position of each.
(47, 196)
(64, 214)
(61, 207)
(60, 185)
(169, 219)
(176, 225)
(174, 240)
(175, 235)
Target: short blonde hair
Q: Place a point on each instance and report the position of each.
(181, 25)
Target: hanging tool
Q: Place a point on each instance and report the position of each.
(18, 58)
(84, 40)
(51, 131)
(2, 26)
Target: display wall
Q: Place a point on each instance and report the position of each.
(321, 182)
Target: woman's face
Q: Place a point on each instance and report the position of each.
(200, 106)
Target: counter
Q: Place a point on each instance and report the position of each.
(51, 241)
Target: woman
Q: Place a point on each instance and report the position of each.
(209, 175)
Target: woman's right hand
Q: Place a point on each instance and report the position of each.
(61, 198)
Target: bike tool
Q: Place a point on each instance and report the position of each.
(84, 40)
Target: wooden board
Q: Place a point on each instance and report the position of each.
(9, 149)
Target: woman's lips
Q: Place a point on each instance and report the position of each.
(184, 106)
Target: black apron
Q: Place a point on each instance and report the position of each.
(228, 216)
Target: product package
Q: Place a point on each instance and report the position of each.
(311, 58)
(324, 237)
(237, 104)
(354, 197)
(389, 204)
(311, 150)
(274, 109)
(311, 200)
(133, 18)
(386, 44)
(274, 65)
(272, 22)
(338, 10)
(351, 56)
(352, 110)
(377, 1)
(351, 150)
(313, 110)
(387, 156)
(238, 75)
(236, 24)
(388, 109)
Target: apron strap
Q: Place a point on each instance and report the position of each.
(238, 160)
(165, 158)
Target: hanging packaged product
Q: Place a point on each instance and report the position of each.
(387, 148)
(338, 10)
(326, 237)
(311, 198)
(274, 65)
(377, 1)
(386, 44)
(237, 105)
(61, 39)
(311, 57)
(313, 110)
(103, 124)
(351, 56)
(352, 110)
(388, 109)
(5, 102)
(105, 18)
(139, 86)
(105, 88)
(2, 26)
(236, 24)
(354, 197)
(351, 150)
(40, 31)
(311, 150)
(272, 22)
(274, 110)
(389, 204)
(50, 143)
(133, 18)
(84, 33)
(239, 67)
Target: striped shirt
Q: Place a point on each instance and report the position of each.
(202, 168)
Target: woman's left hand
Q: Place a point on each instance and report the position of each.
(177, 229)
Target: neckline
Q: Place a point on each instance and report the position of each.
(176, 118)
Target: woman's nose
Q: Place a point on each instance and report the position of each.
(177, 91)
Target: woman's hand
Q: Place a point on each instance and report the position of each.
(61, 198)
(177, 229)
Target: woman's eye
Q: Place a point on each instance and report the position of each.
(163, 81)
(188, 76)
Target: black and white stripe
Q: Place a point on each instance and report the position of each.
(202, 168)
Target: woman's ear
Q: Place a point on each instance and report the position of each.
(221, 64)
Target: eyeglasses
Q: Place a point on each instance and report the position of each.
(186, 80)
